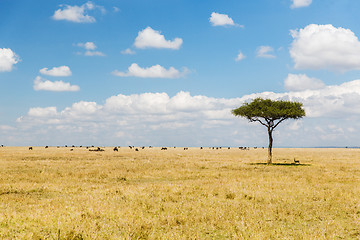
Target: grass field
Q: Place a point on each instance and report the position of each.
(56, 193)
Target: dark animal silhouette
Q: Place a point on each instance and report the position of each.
(97, 150)
(30, 148)
(164, 148)
(116, 149)
(296, 161)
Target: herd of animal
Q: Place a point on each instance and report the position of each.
(116, 149)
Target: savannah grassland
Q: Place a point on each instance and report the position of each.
(56, 193)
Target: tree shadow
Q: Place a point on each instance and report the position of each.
(283, 164)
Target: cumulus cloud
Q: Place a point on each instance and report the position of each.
(301, 82)
(76, 13)
(218, 19)
(300, 3)
(62, 71)
(149, 38)
(155, 71)
(265, 52)
(128, 51)
(42, 112)
(41, 84)
(157, 119)
(329, 101)
(325, 47)
(90, 49)
(7, 59)
(240, 56)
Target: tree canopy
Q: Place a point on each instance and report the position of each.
(270, 114)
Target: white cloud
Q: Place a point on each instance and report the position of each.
(265, 52)
(240, 56)
(62, 71)
(87, 45)
(76, 13)
(94, 53)
(90, 47)
(325, 47)
(158, 119)
(301, 82)
(300, 3)
(329, 101)
(155, 71)
(128, 51)
(80, 110)
(218, 19)
(149, 38)
(57, 86)
(7, 59)
(42, 112)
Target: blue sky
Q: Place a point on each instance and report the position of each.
(169, 72)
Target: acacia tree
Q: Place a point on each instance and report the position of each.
(270, 114)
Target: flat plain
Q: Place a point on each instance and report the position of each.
(55, 193)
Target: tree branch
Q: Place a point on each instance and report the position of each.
(258, 120)
(282, 119)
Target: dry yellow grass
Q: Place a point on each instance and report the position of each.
(56, 193)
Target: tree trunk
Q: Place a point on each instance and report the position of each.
(269, 161)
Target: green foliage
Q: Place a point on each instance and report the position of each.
(270, 114)
(270, 110)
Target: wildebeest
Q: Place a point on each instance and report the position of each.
(186, 148)
(97, 150)
(201, 147)
(30, 148)
(116, 149)
(296, 161)
(46, 146)
(136, 149)
(164, 148)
